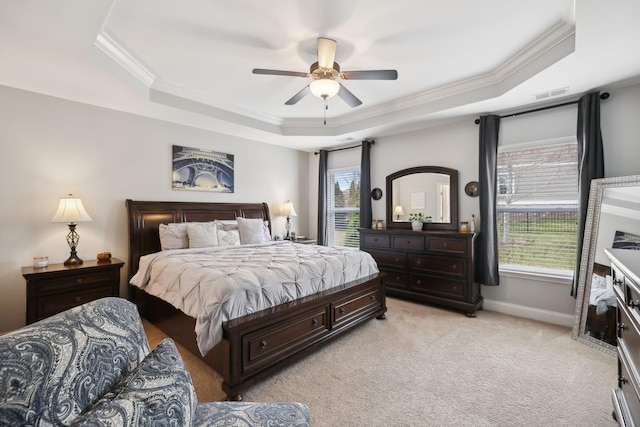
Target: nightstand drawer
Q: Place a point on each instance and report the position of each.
(68, 283)
(54, 304)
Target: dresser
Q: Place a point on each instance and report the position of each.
(436, 267)
(625, 270)
(58, 287)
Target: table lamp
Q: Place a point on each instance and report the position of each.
(288, 211)
(71, 210)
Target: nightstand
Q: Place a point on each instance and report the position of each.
(58, 287)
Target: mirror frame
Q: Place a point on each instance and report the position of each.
(588, 257)
(453, 195)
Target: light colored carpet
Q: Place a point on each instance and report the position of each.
(427, 366)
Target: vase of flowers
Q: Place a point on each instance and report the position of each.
(417, 220)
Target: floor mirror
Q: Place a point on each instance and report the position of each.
(613, 219)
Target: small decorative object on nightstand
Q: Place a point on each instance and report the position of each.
(58, 287)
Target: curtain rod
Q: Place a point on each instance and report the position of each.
(604, 95)
(346, 148)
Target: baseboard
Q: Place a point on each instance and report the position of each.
(547, 316)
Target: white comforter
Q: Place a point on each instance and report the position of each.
(217, 284)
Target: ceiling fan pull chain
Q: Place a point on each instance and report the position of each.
(326, 107)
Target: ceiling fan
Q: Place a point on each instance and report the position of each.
(325, 73)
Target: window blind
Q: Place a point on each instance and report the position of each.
(343, 205)
(537, 199)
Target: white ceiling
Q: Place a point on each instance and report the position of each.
(190, 61)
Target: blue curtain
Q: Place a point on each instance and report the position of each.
(487, 258)
(590, 164)
(365, 185)
(322, 198)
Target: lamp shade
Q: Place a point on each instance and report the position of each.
(324, 88)
(71, 210)
(398, 210)
(288, 210)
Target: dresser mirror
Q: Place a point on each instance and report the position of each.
(430, 190)
(613, 214)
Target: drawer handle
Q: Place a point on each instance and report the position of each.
(342, 311)
(371, 297)
(454, 267)
(634, 304)
(418, 282)
(78, 299)
(445, 244)
(375, 240)
(622, 327)
(623, 380)
(397, 278)
(397, 260)
(78, 280)
(263, 344)
(617, 282)
(314, 322)
(418, 262)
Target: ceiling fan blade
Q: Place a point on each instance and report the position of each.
(326, 52)
(298, 96)
(348, 97)
(279, 72)
(370, 75)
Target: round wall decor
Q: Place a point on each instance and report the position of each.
(376, 194)
(472, 188)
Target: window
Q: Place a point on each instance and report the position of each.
(343, 205)
(537, 204)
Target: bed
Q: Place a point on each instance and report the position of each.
(255, 345)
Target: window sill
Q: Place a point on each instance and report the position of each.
(561, 277)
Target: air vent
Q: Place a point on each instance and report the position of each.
(551, 94)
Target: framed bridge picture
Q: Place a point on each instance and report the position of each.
(195, 169)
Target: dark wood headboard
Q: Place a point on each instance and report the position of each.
(145, 219)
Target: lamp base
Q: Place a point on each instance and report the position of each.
(73, 260)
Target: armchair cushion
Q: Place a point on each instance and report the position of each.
(159, 392)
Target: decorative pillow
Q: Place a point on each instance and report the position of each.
(202, 234)
(228, 238)
(174, 236)
(251, 230)
(158, 392)
(226, 224)
(267, 233)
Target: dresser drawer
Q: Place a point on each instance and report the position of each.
(390, 259)
(267, 345)
(396, 279)
(408, 243)
(53, 304)
(347, 309)
(377, 240)
(448, 245)
(438, 286)
(72, 283)
(629, 335)
(454, 267)
(629, 387)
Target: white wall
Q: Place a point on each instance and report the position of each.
(456, 146)
(51, 147)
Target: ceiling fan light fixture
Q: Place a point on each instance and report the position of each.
(324, 88)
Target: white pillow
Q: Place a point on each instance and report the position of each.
(228, 238)
(226, 224)
(251, 230)
(202, 234)
(267, 233)
(174, 236)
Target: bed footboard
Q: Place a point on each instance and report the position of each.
(259, 344)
